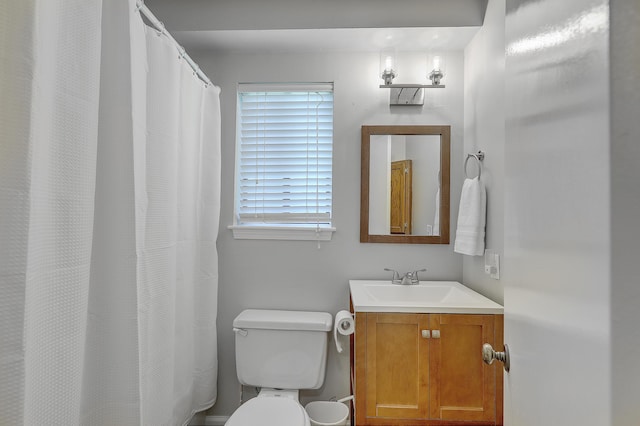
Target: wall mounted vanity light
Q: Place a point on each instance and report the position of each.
(437, 72)
(387, 66)
(413, 93)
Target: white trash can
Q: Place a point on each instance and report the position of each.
(328, 413)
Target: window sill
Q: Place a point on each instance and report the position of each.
(282, 232)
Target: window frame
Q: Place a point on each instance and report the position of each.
(311, 231)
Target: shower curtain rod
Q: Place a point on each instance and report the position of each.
(160, 27)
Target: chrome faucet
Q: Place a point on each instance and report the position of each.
(396, 276)
(409, 278)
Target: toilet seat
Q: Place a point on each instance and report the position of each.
(269, 411)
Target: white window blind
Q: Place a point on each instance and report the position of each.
(284, 154)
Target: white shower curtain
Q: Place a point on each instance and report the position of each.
(109, 206)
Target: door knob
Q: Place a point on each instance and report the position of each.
(489, 355)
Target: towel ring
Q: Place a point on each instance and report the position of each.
(479, 156)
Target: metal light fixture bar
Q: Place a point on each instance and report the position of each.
(408, 94)
(412, 86)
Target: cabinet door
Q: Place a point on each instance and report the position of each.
(397, 366)
(462, 386)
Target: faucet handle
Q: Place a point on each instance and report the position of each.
(414, 276)
(396, 276)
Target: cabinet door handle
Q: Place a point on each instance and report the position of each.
(426, 334)
(435, 334)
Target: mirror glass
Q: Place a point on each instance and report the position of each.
(405, 184)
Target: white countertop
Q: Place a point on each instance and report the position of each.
(445, 297)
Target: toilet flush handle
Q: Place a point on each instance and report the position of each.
(240, 331)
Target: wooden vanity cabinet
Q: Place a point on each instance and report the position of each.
(426, 369)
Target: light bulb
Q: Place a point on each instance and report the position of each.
(438, 68)
(436, 63)
(388, 63)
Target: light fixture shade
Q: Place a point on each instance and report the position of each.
(388, 65)
(436, 64)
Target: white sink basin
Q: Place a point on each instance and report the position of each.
(407, 293)
(426, 297)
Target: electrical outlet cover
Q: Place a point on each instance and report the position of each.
(495, 273)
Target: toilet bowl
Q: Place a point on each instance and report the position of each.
(271, 408)
(280, 352)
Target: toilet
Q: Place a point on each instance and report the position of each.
(280, 352)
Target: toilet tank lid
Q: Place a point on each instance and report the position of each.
(283, 320)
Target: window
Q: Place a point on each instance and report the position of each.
(284, 140)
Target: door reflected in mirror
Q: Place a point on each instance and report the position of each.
(405, 184)
(400, 205)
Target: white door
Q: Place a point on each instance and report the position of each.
(557, 213)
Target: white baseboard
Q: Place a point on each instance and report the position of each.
(201, 420)
(216, 420)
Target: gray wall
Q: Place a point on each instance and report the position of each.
(484, 129)
(298, 275)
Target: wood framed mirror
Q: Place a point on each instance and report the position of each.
(404, 184)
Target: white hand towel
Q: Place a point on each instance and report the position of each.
(436, 219)
(471, 218)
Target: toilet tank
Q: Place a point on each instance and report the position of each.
(281, 349)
